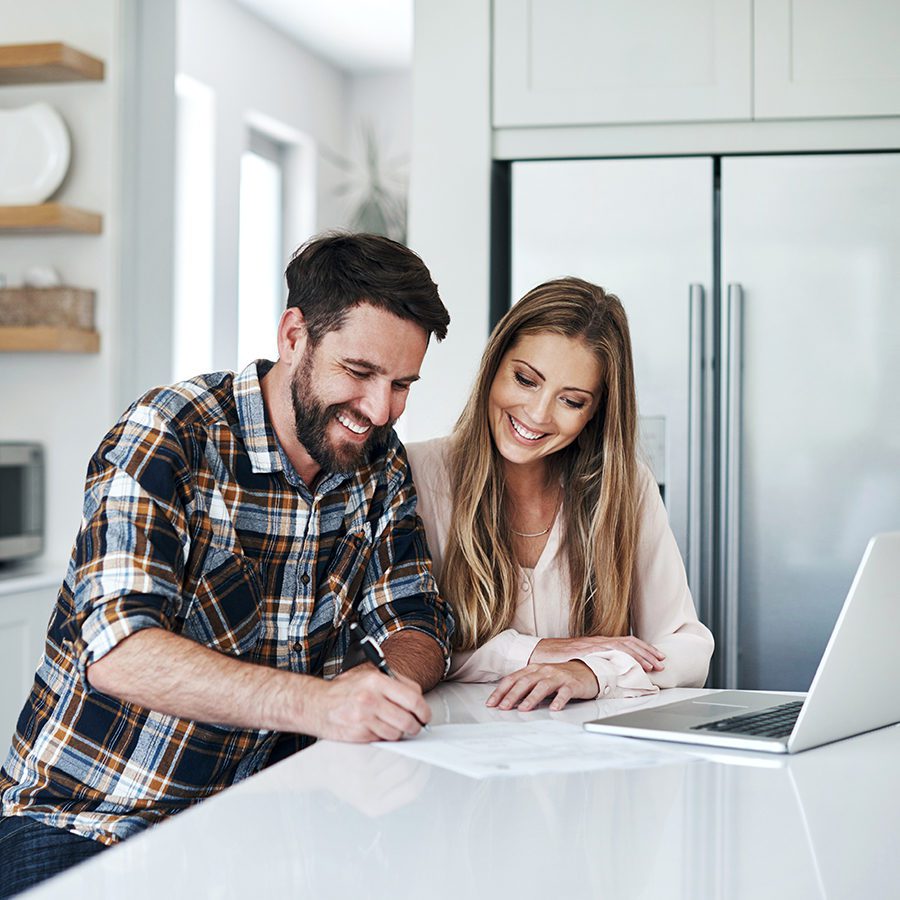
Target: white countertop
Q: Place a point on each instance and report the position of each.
(31, 576)
(348, 821)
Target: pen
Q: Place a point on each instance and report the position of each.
(375, 655)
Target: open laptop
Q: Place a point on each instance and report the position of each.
(855, 688)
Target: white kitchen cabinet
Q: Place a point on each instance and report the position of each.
(826, 58)
(25, 606)
(606, 62)
(579, 62)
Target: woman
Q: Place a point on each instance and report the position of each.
(549, 537)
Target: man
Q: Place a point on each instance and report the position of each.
(234, 526)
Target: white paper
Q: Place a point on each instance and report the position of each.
(484, 750)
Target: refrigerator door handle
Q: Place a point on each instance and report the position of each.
(696, 313)
(731, 477)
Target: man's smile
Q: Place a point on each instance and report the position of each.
(356, 427)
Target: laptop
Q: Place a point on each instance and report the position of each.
(855, 688)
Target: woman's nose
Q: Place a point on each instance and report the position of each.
(539, 408)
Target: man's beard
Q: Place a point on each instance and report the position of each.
(312, 418)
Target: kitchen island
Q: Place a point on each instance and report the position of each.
(346, 821)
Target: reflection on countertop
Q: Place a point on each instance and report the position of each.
(337, 820)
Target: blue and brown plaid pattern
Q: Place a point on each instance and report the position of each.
(195, 522)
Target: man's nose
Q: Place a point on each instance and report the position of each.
(376, 405)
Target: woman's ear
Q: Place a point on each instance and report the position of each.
(292, 334)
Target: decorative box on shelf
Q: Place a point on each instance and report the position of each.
(48, 319)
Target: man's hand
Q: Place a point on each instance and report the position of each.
(553, 650)
(366, 705)
(176, 676)
(528, 687)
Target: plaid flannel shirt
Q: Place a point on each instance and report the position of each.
(195, 522)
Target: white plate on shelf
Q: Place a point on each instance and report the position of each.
(34, 153)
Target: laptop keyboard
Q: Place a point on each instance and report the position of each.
(776, 722)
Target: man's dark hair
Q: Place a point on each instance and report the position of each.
(332, 273)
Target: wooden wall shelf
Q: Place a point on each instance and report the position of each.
(49, 218)
(47, 63)
(36, 339)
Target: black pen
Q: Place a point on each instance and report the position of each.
(375, 655)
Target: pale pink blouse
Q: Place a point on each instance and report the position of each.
(663, 611)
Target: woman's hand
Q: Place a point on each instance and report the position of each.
(551, 650)
(526, 688)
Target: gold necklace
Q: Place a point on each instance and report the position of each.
(534, 534)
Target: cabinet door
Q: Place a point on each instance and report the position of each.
(813, 243)
(579, 62)
(817, 58)
(23, 630)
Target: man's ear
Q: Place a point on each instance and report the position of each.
(292, 334)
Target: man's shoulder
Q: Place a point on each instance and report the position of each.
(198, 401)
(162, 424)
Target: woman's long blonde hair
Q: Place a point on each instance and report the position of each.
(598, 473)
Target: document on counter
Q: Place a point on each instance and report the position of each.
(485, 750)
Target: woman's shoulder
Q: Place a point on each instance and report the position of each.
(429, 460)
(645, 477)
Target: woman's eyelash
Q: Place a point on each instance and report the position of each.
(525, 381)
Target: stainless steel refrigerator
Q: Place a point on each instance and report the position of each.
(763, 294)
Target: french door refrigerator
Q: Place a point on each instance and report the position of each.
(763, 294)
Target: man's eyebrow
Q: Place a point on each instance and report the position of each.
(543, 378)
(369, 366)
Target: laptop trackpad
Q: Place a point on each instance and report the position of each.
(725, 704)
(695, 708)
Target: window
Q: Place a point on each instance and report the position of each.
(192, 339)
(261, 290)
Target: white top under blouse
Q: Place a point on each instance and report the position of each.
(663, 612)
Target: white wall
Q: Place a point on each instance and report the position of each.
(385, 100)
(65, 401)
(449, 212)
(381, 101)
(259, 75)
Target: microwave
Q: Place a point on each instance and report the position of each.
(21, 501)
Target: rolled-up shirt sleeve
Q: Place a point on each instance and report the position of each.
(400, 591)
(131, 549)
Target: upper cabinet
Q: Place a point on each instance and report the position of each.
(600, 62)
(582, 62)
(826, 58)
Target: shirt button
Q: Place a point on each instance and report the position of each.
(298, 648)
(304, 578)
(526, 586)
(605, 690)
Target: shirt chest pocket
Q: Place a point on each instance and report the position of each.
(346, 573)
(226, 610)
